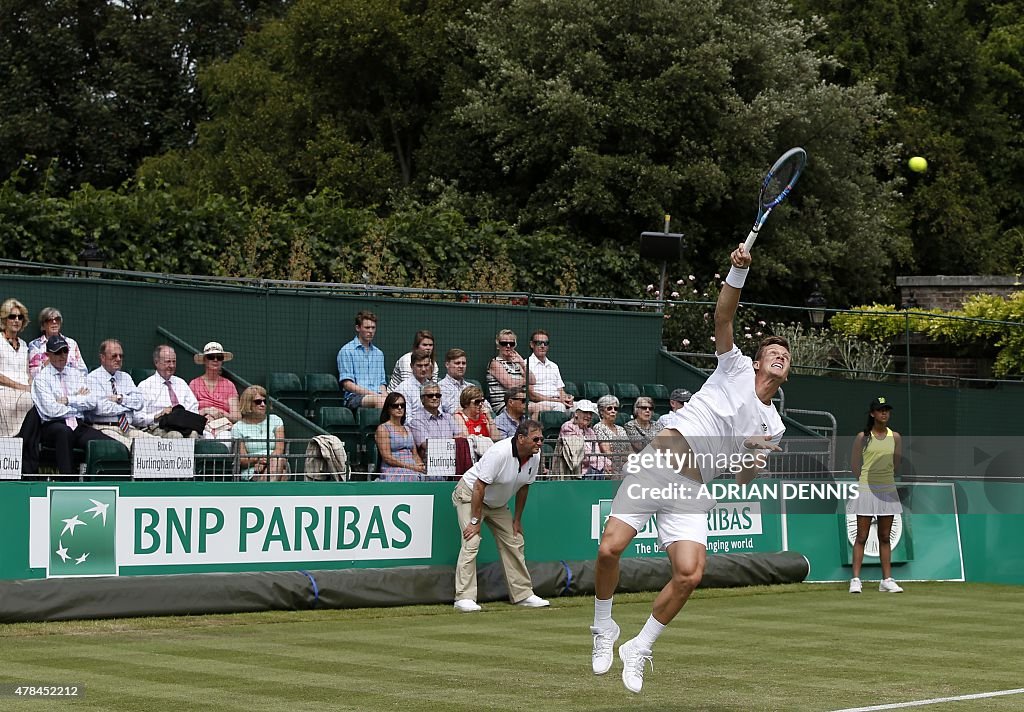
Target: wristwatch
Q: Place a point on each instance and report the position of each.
(474, 520)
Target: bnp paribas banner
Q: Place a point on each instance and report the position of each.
(93, 531)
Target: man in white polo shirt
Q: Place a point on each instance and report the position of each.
(505, 471)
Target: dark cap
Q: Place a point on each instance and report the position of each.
(56, 344)
(880, 404)
(680, 395)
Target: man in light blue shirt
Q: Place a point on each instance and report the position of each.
(119, 403)
(62, 398)
(361, 366)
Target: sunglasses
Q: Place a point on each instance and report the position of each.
(54, 320)
(478, 401)
(16, 317)
(541, 343)
(215, 357)
(537, 438)
(431, 395)
(259, 401)
(611, 407)
(518, 398)
(644, 407)
(398, 405)
(509, 344)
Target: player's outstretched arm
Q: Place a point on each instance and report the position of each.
(729, 299)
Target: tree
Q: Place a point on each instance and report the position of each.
(597, 118)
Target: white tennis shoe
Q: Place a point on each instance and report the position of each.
(633, 660)
(465, 605)
(533, 601)
(855, 585)
(604, 646)
(889, 586)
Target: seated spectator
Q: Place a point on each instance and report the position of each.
(473, 419)
(642, 428)
(594, 463)
(118, 401)
(431, 421)
(15, 388)
(217, 396)
(509, 419)
(506, 371)
(454, 382)
(61, 398)
(361, 366)
(50, 324)
(260, 437)
(613, 439)
(422, 365)
(424, 340)
(548, 389)
(676, 400)
(399, 461)
(162, 392)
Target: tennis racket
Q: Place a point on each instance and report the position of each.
(776, 186)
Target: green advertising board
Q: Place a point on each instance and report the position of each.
(142, 528)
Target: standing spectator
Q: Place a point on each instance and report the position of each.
(514, 413)
(422, 365)
(505, 471)
(51, 324)
(162, 391)
(876, 458)
(594, 463)
(399, 461)
(548, 389)
(431, 421)
(260, 437)
(118, 401)
(613, 439)
(361, 366)
(676, 400)
(217, 396)
(473, 419)
(61, 398)
(403, 366)
(506, 371)
(454, 382)
(15, 388)
(642, 428)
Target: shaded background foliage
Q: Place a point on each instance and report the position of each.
(513, 144)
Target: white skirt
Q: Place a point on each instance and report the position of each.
(875, 501)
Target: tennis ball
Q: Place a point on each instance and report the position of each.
(918, 164)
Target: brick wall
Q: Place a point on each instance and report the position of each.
(948, 293)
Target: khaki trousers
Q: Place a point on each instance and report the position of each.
(114, 432)
(511, 549)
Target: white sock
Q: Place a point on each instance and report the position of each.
(602, 612)
(647, 636)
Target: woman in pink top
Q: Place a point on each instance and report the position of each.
(217, 396)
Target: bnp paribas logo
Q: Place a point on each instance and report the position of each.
(83, 532)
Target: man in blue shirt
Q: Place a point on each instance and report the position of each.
(361, 366)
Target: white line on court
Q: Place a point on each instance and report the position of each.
(937, 700)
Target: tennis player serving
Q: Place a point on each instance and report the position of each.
(729, 424)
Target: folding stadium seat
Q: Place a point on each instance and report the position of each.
(340, 422)
(627, 393)
(107, 457)
(141, 374)
(322, 390)
(592, 390)
(552, 421)
(214, 459)
(286, 388)
(571, 389)
(658, 393)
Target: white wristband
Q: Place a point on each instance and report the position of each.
(737, 277)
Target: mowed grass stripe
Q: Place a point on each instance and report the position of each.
(800, 648)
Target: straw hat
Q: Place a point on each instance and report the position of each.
(210, 349)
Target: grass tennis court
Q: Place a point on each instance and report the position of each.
(795, 647)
